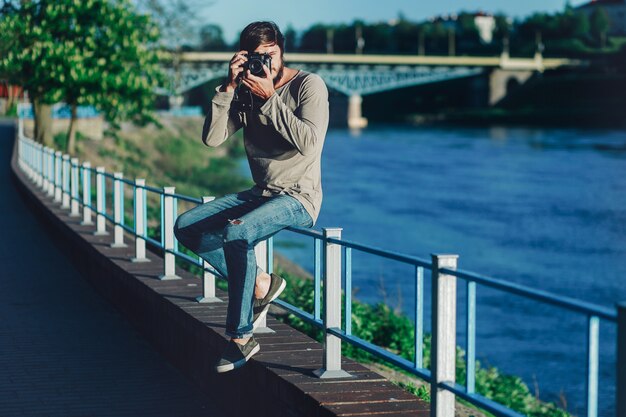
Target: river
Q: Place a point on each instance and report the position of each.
(541, 207)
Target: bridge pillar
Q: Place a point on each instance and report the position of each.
(501, 82)
(355, 118)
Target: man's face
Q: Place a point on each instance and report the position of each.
(277, 59)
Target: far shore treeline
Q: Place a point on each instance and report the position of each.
(569, 33)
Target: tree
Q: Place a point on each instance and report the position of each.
(92, 52)
(600, 25)
(177, 20)
(27, 62)
(291, 39)
(212, 38)
(314, 39)
(573, 24)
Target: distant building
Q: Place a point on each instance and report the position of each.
(615, 9)
(486, 24)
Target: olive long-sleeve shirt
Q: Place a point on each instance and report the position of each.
(283, 138)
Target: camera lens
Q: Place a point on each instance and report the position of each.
(256, 66)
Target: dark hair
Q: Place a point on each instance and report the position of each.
(258, 33)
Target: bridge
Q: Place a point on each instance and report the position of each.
(359, 75)
(183, 314)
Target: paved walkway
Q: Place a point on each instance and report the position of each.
(64, 351)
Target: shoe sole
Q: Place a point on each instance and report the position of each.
(263, 313)
(238, 364)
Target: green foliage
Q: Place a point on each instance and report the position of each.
(92, 52)
(380, 325)
(599, 24)
(212, 38)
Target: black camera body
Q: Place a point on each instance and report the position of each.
(255, 63)
(244, 100)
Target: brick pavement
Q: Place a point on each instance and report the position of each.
(64, 350)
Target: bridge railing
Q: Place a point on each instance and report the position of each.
(74, 186)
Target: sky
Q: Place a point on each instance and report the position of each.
(234, 15)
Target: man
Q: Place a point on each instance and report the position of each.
(284, 116)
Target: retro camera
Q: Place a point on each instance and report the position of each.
(255, 63)
(244, 100)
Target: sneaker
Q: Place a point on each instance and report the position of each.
(260, 307)
(236, 355)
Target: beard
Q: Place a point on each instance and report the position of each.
(279, 74)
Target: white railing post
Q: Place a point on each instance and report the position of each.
(86, 194)
(66, 182)
(51, 172)
(208, 278)
(443, 344)
(332, 307)
(58, 186)
(39, 149)
(20, 120)
(118, 211)
(45, 182)
(140, 226)
(100, 203)
(260, 252)
(74, 184)
(620, 396)
(24, 158)
(169, 259)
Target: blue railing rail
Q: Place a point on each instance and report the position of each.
(69, 183)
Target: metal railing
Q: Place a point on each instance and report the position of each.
(70, 183)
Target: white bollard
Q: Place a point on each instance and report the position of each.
(86, 194)
(332, 307)
(118, 211)
(169, 259)
(100, 203)
(74, 184)
(208, 278)
(443, 345)
(140, 226)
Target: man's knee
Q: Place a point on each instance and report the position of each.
(181, 233)
(236, 230)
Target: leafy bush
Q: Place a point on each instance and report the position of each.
(380, 325)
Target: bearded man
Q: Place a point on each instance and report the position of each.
(284, 116)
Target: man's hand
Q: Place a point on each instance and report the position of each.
(260, 87)
(234, 71)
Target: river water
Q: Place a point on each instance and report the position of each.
(541, 207)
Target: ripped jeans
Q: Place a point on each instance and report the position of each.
(224, 232)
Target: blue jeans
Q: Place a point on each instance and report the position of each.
(224, 232)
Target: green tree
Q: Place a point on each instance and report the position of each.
(314, 39)
(212, 38)
(26, 60)
(291, 39)
(92, 52)
(600, 25)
